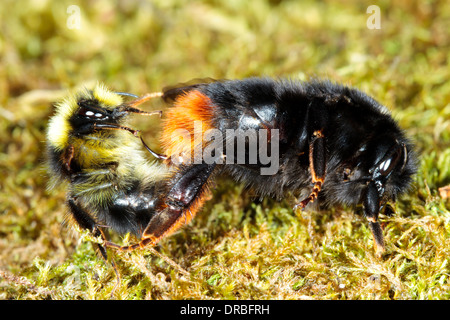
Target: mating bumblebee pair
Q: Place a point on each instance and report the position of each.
(315, 140)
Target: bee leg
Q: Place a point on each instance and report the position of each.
(317, 163)
(85, 221)
(182, 201)
(140, 245)
(131, 106)
(371, 210)
(184, 198)
(67, 158)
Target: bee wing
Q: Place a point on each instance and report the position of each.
(172, 92)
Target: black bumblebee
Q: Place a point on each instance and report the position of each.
(332, 143)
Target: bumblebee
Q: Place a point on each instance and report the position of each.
(333, 143)
(111, 183)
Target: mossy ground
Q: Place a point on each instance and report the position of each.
(236, 248)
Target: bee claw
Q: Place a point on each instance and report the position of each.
(300, 206)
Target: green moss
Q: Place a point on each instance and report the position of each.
(236, 248)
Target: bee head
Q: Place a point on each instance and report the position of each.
(98, 106)
(77, 112)
(393, 164)
(380, 170)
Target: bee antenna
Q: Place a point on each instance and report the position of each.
(126, 94)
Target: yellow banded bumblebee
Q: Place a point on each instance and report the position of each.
(334, 143)
(111, 182)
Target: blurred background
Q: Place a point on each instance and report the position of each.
(398, 52)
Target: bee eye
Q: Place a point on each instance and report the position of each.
(91, 114)
(386, 167)
(390, 161)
